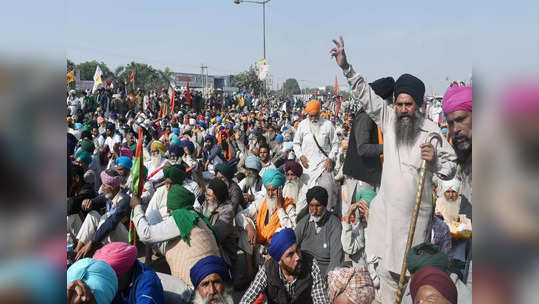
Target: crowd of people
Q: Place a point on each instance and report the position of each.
(251, 199)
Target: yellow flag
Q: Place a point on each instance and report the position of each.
(70, 77)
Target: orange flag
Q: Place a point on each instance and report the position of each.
(70, 77)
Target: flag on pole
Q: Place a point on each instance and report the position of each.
(138, 176)
(188, 97)
(337, 97)
(172, 98)
(70, 77)
(132, 76)
(97, 78)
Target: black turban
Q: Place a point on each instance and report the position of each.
(226, 169)
(319, 193)
(412, 86)
(383, 87)
(219, 189)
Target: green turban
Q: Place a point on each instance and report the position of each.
(366, 194)
(175, 173)
(426, 254)
(84, 156)
(180, 202)
(91, 124)
(273, 177)
(88, 146)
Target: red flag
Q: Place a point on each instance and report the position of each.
(338, 99)
(336, 86)
(188, 95)
(132, 77)
(139, 154)
(172, 101)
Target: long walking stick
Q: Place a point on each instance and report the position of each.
(411, 231)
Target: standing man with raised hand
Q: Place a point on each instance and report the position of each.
(405, 132)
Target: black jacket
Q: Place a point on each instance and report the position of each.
(276, 293)
(363, 156)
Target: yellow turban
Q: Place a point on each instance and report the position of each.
(313, 107)
(158, 145)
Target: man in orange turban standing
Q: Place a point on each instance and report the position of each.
(316, 145)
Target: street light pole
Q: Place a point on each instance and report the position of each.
(263, 18)
(264, 25)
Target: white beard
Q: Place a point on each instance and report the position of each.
(155, 161)
(224, 298)
(449, 210)
(291, 189)
(271, 202)
(315, 126)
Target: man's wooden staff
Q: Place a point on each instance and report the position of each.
(418, 197)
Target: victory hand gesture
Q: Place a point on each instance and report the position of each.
(339, 54)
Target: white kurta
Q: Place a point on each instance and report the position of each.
(391, 210)
(304, 144)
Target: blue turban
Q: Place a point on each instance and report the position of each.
(274, 177)
(256, 133)
(124, 161)
(176, 150)
(206, 266)
(190, 146)
(78, 125)
(253, 162)
(209, 137)
(176, 131)
(279, 138)
(175, 140)
(98, 275)
(84, 156)
(219, 118)
(280, 242)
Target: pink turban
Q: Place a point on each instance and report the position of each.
(120, 256)
(110, 181)
(521, 100)
(457, 99)
(124, 151)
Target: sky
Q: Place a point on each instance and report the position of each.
(382, 38)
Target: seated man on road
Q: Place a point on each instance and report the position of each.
(289, 276)
(91, 281)
(319, 234)
(264, 217)
(185, 236)
(211, 280)
(110, 227)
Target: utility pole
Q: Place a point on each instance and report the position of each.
(204, 76)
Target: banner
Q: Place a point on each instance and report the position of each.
(262, 69)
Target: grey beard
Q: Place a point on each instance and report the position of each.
(224, 298)
(250, 181)
(406, 131)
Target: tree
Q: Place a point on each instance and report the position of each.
(146, 77)
(87, 70)
(70, 66)
(248, 81)
(291, 87)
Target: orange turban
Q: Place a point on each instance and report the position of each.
(313, 107)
